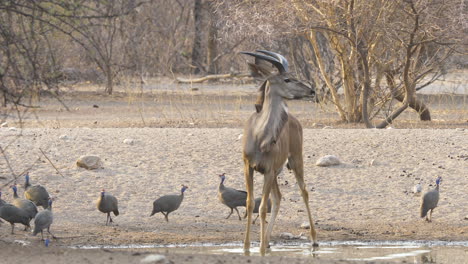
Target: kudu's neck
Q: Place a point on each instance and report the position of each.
(271, 118)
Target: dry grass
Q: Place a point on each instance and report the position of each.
(207, 105)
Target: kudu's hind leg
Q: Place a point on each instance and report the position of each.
(248, 173)
(297, 166)
(276, 200)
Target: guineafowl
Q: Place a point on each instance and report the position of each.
(107, 203)
(230, 197)
(258, 201)
(168, 203)
(429, 201)
(13, 214)
(36, 193)
(257, 206)
(24, 204)
(43, 220)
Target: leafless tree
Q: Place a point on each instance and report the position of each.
(380, 50)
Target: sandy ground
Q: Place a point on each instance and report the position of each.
(367, 197)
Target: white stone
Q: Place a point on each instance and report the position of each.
(417, 188)
(129, 141)
(89, 162)
(64, 137)
(155, 258)
(12, 128)
(239, 137)
(286, 235)
(305, 225)
(328, 160)
(4, 124)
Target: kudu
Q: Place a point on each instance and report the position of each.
(272, 136)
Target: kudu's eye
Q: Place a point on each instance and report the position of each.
(287, 80)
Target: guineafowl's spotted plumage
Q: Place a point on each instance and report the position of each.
(13, 214)
(43, 220)
(36, 193)
(168, 203)
(107, 203)
(24, 204)
(430, 200)
(230, 197)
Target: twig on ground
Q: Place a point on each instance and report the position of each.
(51, 163)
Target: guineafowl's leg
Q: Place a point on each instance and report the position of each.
(238, 213)
(276, 199)
(255, 219)
(42, 236)
(296, 163)
(430, 215)
(248, 173)
(167, 217)
(232, 210)
(48, 231)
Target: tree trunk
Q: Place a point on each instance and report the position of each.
(420, 107)
(197, 59)
(212, 50)
(109, 80)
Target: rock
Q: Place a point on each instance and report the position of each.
(305, 225)
(239, 137)
(290, 236)
(466, 217)
(4, 124)
(129, 141)
(89, 162)
(286, 235)
(459, 129)
(328, 160)
(417, 188)
(155, 258)
(64, 137)
(12, 128)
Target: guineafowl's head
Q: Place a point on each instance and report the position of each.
(222, 177)
(438, 180)
(184, 187)
(46, 242)
(50, 202)
(103, 192)
(14, 188)
(26, 177)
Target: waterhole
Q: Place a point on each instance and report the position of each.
(359, 251)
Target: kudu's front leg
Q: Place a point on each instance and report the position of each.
(248, 173)
(269, 178)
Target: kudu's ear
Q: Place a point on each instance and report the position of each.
(260, 97)
(260, 69)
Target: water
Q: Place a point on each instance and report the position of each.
(356, 251)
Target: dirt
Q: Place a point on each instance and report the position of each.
(368, 197)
